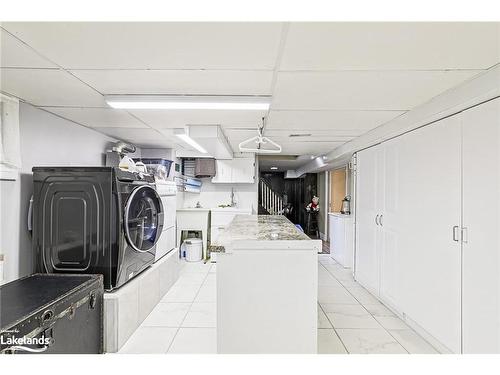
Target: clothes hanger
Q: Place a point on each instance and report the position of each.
(259, 140)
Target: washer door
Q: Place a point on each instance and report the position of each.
(143, 219)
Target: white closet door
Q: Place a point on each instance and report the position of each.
(429, 205)
(368, 237)
(391, 273)
(481, 217)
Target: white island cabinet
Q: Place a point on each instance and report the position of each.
(267, 285)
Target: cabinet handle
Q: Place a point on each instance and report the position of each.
(465, 235)
(376, 219)
(380, 220)
(455, 233)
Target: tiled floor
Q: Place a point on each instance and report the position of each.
(184, 320)
(350, 320)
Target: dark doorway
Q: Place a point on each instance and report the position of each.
(298, 192)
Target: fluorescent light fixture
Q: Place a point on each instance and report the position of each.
(274, 168)
(181, 133)
(250, 103)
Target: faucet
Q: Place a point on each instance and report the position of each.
(233, 202)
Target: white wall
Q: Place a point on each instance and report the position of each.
(212, 195)
(45, 140)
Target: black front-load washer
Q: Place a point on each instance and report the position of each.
(95, 220)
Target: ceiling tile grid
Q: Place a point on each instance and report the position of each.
(335, 81)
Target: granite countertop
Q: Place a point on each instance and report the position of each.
(261, 228)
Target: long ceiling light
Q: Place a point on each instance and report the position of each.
(182, 134)
(260, 103)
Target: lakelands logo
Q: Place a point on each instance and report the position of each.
(23, 341)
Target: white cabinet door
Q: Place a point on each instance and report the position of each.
(481, 217)
(243, 170)
(368, 202)
(237, 170)
(223, 171)
(391, 273)
(429, 197)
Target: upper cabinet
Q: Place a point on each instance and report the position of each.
(237, 170)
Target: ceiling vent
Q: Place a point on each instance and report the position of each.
(300, 135)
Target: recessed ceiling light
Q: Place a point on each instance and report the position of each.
(325, 157)
(312, 156)
(274, 168)
(260, 103)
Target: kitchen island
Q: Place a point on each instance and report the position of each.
(267, 281)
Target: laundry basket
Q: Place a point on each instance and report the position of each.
(194, 249)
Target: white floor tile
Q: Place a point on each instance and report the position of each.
(167, 315)
(328, 294)
(201, 315)
(211, 279)
(391, 322)
(369, 341)
(195, 341)
(323, 321)
(326, 259)
(378, 309)
(149, 340)
(363, 296)
(213, 269)
(412, 342)
(181, 293)
(350, 283)
(329, 342)
(328, 280)
(196, 267)
(191, 278)
(349, 316)
(207, 293)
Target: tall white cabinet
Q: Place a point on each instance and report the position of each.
(369, 186)
(428, 224)
(481, 223)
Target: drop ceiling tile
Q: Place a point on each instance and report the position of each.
(15, 54)
(362, 90)
(284, 136)
(308, 148)
(98, 117)
(388, 45)
(298, 148)
(139, 137)
(210, 82)
(49, 87)
(161, 119)
(153, 45)
(354, 121)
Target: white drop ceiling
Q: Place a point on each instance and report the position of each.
(334, 81)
